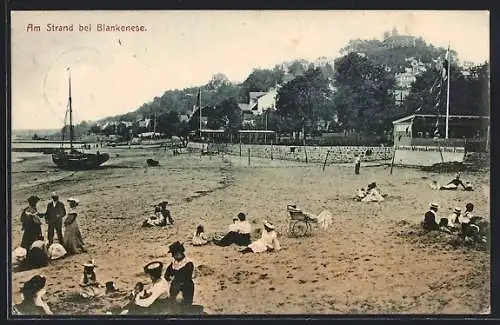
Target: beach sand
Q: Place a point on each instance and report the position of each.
(362, 264)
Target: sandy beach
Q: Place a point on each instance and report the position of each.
(369, 261)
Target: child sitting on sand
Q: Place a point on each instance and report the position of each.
(268, 241)
(199, 237)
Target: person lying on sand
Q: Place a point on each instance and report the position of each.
(453, 184)
(180, 274)
(199, 237)
(239, 233)
(32, 294)
(268, 241)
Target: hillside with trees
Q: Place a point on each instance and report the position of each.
(354, 96)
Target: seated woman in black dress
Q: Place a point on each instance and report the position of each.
(239, 233)
(180, 275)
(32, 293)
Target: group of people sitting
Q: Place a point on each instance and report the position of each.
(466, 225)
(34, 251)
(161, 218)
(371, 194)
(239, 233)
(452, 185)
(150, 298)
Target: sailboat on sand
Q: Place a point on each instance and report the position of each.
(73, 159)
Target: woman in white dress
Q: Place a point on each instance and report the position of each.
(268, 241)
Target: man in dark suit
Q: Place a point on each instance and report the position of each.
(54, 217)
(430, 222)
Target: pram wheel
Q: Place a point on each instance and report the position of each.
(301, 228)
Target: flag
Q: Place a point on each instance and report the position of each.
(445, 71)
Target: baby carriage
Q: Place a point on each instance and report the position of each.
(300, 222)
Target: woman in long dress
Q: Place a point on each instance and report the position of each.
(32, 224)
(73, 241)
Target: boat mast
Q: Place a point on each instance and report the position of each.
(70, 115)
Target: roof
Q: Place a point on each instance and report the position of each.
(411, 117)
(256, 131)
(212, 131)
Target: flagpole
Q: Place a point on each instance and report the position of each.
(199, 103)
(448, 92)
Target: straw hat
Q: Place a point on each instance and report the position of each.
(152, 267)
(458, 210)
(434, 205)
(269, 225)
(90, 263)
(75, 200)
(54, 194)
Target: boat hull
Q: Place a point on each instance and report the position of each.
(79, 161)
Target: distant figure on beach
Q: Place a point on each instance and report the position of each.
(199, 237)
(239, 233)
(90, 286)
(73, 238)
(180, 275)
(455, 219)
(32, 293)
(434, 185)
(267, 243)
(54, 218)
(372, 194)
(453, 184)
(357, 164)
(166, 212)
(161, 217)
(31, 223)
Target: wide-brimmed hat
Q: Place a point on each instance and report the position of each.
(269, 225)
(163, 203)
(153, 267)
(54, 194)
(90, 263)
(458, 210)
(434, 205)
(34, 284)
(33, 198)
(73, 199)
(176, 247)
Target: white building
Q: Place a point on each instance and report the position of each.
(259, 102)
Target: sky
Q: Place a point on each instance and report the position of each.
(116, 72)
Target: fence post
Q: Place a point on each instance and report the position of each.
(326, 159)
(248, 156)
(393, 156)
(271, 149)
(240, 145)
(305, 150)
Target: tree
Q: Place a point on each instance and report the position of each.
(168, 123)
(304, 100)
(363, 97)
(469, 95)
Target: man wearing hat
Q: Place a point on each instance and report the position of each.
(430, 217)
(54, 217)
(31, 223)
